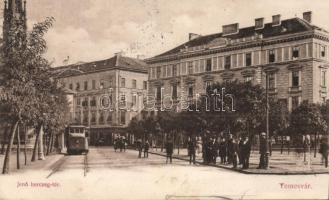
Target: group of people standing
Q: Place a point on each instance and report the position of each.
(143, 147)
(230, 151)
(120, 142)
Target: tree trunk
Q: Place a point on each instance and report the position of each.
(5, 135)
(5, 169)
(41, 155)
(48, 141)
(51, 142)
(316, 144)
(18, 148)
(25, 145)
(162, 142)
(36, 143)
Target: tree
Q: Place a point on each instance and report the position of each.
(24, 79)
(307, 119)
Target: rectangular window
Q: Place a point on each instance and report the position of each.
(323, 51)
(134, 84)
(190, 91)
(158, 96)
(78, 101)
(123, 82)
(77, 87)
(85, 102)
(164, 71)
(158, 72)
(197, 64)
(295, 52)
(174, 70)
(93, 83)
(227, 62)
(123, 99)
(209, 65)
(294, 102)
(145, 85)
(202, 65)
(101, 118)
(248, 59)
(123, 117)
(134, 100)
(93, 101)
(271, 56)
(71, 86)
(109, 118)
(174, 91)
(169, 70)
(295, 79)
(190, 67)
(323, 78)
(271, 81)
(214, 63)
(93, 117)
(86, 85)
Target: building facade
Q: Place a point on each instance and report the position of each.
(108, 94)
(293, 53)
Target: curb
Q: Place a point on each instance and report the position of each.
(244, 171)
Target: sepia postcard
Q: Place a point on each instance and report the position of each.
(164, 99)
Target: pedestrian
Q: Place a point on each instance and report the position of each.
(199, 145)
(230, 149)
(139, 147)
(214, 150)
(169, 150)
(223, 151)
(191, 146)
(235, 152)
(324, 150)
(115, 144)
(262, 151)
(245, 152)
(240, 141)
(124, 143)
(146, 149)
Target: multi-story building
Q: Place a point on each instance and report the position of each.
(293, 53)
(107, 94)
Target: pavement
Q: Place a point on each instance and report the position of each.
(280, 164)
(105, 174)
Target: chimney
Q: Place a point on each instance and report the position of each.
(117, 57)
(259, 23)
(231, 29)
(192, 36)
(307, 16)
(276, 20)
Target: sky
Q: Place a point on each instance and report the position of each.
(89, 30)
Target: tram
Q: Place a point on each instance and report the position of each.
(77, 139)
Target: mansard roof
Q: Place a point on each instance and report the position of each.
(289, 26)
(116, 62)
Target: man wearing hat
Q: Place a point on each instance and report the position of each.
(262, 151)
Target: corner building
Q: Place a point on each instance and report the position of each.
(293, 53)
(107, 94)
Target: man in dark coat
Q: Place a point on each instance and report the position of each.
(146, 149)
(223, 151)
(230, 149)
(139, 146)
(191, 147)
(262, 151)
(324, 151)
(169, 150)
(235, 152)
(245, 149)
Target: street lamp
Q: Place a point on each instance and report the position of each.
(267, 125)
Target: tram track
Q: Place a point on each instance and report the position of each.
(57, 166)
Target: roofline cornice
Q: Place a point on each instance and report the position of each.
(257, 43)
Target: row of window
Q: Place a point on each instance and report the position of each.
(104, 84)
(230, 61)
(102, 119)
(105, 101)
